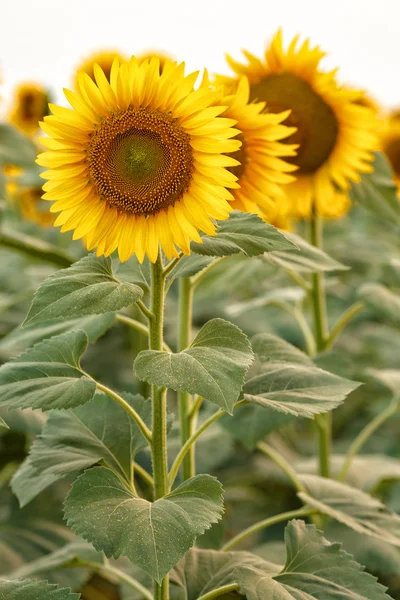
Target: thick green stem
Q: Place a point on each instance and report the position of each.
(292, 514)
(159, 402)
(324, 422)
(364, 436)
(184, 398)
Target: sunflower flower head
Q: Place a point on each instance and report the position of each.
(103, 58)
(30, 105)
(33, 208)
(335, 134)
(259, 164)
(390, 144)
(139, 160)
(163, 57)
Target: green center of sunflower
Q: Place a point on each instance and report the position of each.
(317, 126)
(140, 160)
(392, 151)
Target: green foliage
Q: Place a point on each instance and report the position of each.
(242, 232)
(352, 507)
(88, 287)
(213, 366)
(202, 571)
(377, 191)
(48, 375)
(284, 383)
(314, 568)
(32, 590)
(381, 301)
(15, 148)
(164, 530)
(74, 440)
(307, 259)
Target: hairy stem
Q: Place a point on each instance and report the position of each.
(131, 411)
(184, 398)
(324, 422)
(159, 403)
(141, 327)
(292, 514)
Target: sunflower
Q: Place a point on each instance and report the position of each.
(30, 106)
(31, 207)
(390, 144)
(103, 58)
(163, 57)
(261, 171)
(139, 161)
(335, 134)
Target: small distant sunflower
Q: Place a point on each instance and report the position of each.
(335, 134)
(33, 208)
(390, 144)
(260, 169)
(103, 58)
(30, 106)
(139, 161)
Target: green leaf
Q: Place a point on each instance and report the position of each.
(3, 423)
(48, 375)
(297, 390)
(15, 148)
(88, 287)
(275, 297)
(202, 571)
(33, 590)
(213, 366)
(74, 440)
(315, 569)
(377, 192)
(250, 423)
(19, 339)
(133, 271)
(242, 232)
(284, 384)
(381, 301)
(306, 259)
(189, 265)
(153, 536)
(71, 555)
(271, 348)
(352, 507)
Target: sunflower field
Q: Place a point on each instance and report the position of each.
(200, 332)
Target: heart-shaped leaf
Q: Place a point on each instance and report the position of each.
(47, 375)
(315, 569)
(213, 366)
(76, 439)
(242, 232)
(153, 536)
(88, 287)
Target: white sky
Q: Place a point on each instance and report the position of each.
(44, 40)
